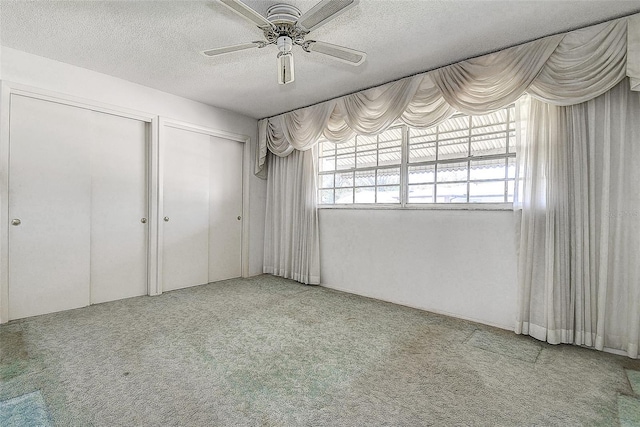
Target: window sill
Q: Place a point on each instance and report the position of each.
(427, 206)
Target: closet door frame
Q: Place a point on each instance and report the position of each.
(7, 89)
(177, 124)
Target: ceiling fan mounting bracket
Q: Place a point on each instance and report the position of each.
(283, 14)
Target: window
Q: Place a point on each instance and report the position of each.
(466, 159)
(365, 169)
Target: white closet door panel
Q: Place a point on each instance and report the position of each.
(118, 203)
(49, 191)
(225, 206)
(186, 204)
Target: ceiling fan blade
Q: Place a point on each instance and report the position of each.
(324, 12)
(341, 53)
(285, 68)
(247, 13)
(231, 49)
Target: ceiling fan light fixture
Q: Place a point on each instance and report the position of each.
(284, 44)
(285, 68)
(285, 60)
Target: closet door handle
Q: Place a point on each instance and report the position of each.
(16, 222)
(143, 220)
(166, 219)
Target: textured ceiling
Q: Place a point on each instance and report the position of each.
(157, 43)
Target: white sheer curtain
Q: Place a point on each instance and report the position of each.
(542, 195)
(579, 251)
(291, 226)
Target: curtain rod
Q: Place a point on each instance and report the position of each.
(455, 62)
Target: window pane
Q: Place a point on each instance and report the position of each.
(390, 144)
(488, 169)
(489, 144)
(495, 120)
(487, 192)
(365, 178)
(326, 181)
(345, 162)
(420, 193)
(328, 164)
(366, 142)
(488, 129)
(456, 123)
(511, 171)
(394, 134)
(422, 152)
(448, 172)
(346, 147)
(510, 186)
(327, 148)
(422, 174)
(388, 176)
(453, 132)
(389, 194)
(389, 156)
(366, 195)
(417, 133)
(451, 193)
(453, 149)
(326, 197)
(367, 160)
(344, 195)
(344, 179)
(512, 142)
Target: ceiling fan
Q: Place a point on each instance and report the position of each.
(286, 27)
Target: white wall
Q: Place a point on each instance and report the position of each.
(459, 263)
(24, 68)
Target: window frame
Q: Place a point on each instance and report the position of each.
(405, 164)
(373, 169)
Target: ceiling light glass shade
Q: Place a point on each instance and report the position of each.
(285, 68)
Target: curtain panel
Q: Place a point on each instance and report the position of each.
(563, 69)
(291, 244)
(579, 242)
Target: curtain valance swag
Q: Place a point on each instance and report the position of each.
(563, 69)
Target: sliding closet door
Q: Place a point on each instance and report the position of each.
(202, 187)
(49, 207)
(77, 195)
(118, 207)
(225, 207)
(185, 209)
